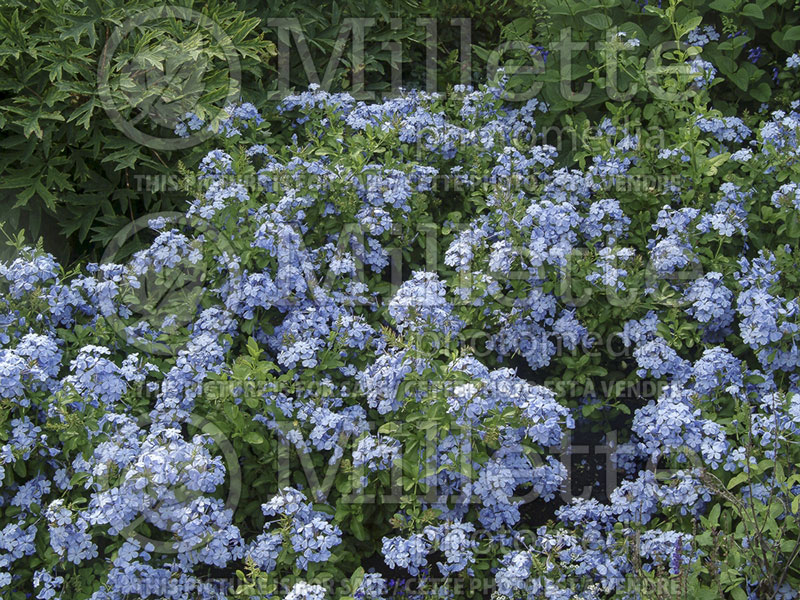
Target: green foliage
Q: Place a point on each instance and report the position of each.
(67, 165)
(319, 36)
(71, 172)
(770, 25)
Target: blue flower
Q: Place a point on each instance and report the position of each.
(710, 301)
(409, 554)
(420, 306)
(704, 71)
(701, 36)
(305, 591)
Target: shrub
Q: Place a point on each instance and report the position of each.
(66, 159)
(91, 100)
(71, 170)
(746, 43)
(353, 361)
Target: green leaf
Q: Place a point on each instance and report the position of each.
(254, 438)
(31, 125)
(359, 531)
(83, 114)
(252, 348)
(738, 593)
(389, 428)
(779, 38)
(762, 92)
(736, 480)
(356, 578)
(724, 5)
(792, 34)
(780, 475)
(753, 11)
(793, 226)
(713, 516)
(690, 24)
(46, 195)
(741, 78)
(598, 20)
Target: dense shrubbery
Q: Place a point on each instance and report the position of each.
(68, 167)
(82, 88)
(746, 42)
(63, 154)
(346, 371)
(358, 363)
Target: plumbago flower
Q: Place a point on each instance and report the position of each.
(399, 314)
